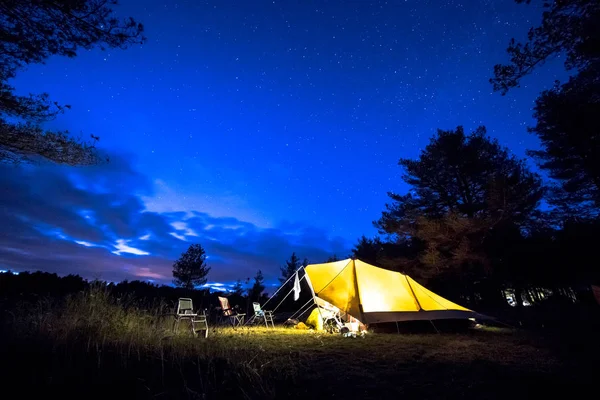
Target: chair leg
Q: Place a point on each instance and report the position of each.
(193, 326)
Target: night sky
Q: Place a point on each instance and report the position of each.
(255, 128)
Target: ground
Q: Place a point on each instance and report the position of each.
(285, 363)
(93, 346)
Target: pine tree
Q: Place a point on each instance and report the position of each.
(291, 266)
(238, 288)
(568, 116)
(258, 287)
(190, 270)
(368, 250)
(462, 187)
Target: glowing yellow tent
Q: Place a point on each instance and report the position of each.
(371, 294)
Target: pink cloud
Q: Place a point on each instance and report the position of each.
(146, 273)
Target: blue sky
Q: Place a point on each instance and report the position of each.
(256, 128)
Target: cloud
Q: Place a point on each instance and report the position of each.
(95, 222)
(123, 247)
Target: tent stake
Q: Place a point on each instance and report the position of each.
(397, 328)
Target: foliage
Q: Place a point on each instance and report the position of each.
(568, 115)
(568, 27)
(30, 32)
(95, 345)
(368, 250)
(568, 125)
(462, 187)
(332, 258)
(291, 266)
(238, 288)
(190, 270)
(258, 287)
(26, 142)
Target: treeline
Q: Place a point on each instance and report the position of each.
(39, 288)
(477, 222)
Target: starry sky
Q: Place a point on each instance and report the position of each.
(255, 128)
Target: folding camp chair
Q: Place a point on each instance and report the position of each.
(267, 316)
(235, 318)
(185, 311)
(333, 323)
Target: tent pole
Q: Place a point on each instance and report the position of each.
(305, 304)
(413, 293)
(360, 307)
(314, 296)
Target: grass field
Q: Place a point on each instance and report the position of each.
(93, 346)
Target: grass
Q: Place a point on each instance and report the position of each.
(95, 346)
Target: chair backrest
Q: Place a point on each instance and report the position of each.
(257, 310)
(225, 306)
(185, 306)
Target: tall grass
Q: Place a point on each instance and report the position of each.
(104, 341)
(93, 345)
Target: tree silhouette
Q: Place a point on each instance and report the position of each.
(462, 187)
(568, 27)
(258, 287)
(368, 250)
(32, 31)
(333, 258)
(190, 270)
(291, 266)
(238, 288)
(568, 116)
(568, 125)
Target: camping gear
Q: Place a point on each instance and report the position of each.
(235, 318)
(373, 295)
(259, 313)
(185, 311)
(359, 294)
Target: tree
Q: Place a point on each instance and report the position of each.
(333, 258)
(190, 270)
(462, 187)
(568, 27)
(238, 288)
(291, 266)
(368, 250)
(30, 32)
(568, 116)
(568, 125)
(258, 287)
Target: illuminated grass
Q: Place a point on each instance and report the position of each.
(93, 345)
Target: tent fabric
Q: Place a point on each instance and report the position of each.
(372, 294)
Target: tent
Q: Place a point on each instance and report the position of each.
(374, 295)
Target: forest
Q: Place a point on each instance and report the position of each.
(511, 237)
